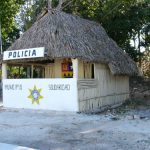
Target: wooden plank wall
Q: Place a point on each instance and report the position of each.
(49, 71)
(104, 91)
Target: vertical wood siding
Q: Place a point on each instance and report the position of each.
(49, 71)
(54, 70)
(104, 91)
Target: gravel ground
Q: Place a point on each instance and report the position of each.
(50, 130)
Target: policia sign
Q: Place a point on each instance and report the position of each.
(24, 53)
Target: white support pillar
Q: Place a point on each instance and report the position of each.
(4, 71)
(75, 64)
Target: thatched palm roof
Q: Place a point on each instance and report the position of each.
(69, 36)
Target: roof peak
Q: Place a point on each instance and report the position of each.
(59, 6)
(50, 9)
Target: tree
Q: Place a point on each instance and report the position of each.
(8, 11)
(31, 10)
(124, 20)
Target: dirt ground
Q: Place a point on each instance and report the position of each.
(50, 130)
(140, 89)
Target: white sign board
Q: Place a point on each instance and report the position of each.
(24, 53)
(51, 94)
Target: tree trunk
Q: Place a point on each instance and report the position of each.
(139, 48)
(49, 5)
(60, 4)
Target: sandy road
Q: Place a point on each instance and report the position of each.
(50, 130)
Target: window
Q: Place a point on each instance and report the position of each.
(88, 70)
(92, 72)
(38, 72)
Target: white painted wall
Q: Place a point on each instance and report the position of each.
(16, 92)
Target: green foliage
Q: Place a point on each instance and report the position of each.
(16, 72)
(29, 13)
(146, 64)
(11, 37)
(8, 11)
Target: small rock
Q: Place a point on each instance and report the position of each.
(74, 123)
(108, 111)
(143, 117)
(130, 117)
(136, 117)
(99, 131)
(114, 118)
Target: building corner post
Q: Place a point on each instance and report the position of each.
(75, 65)
(4, 71)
